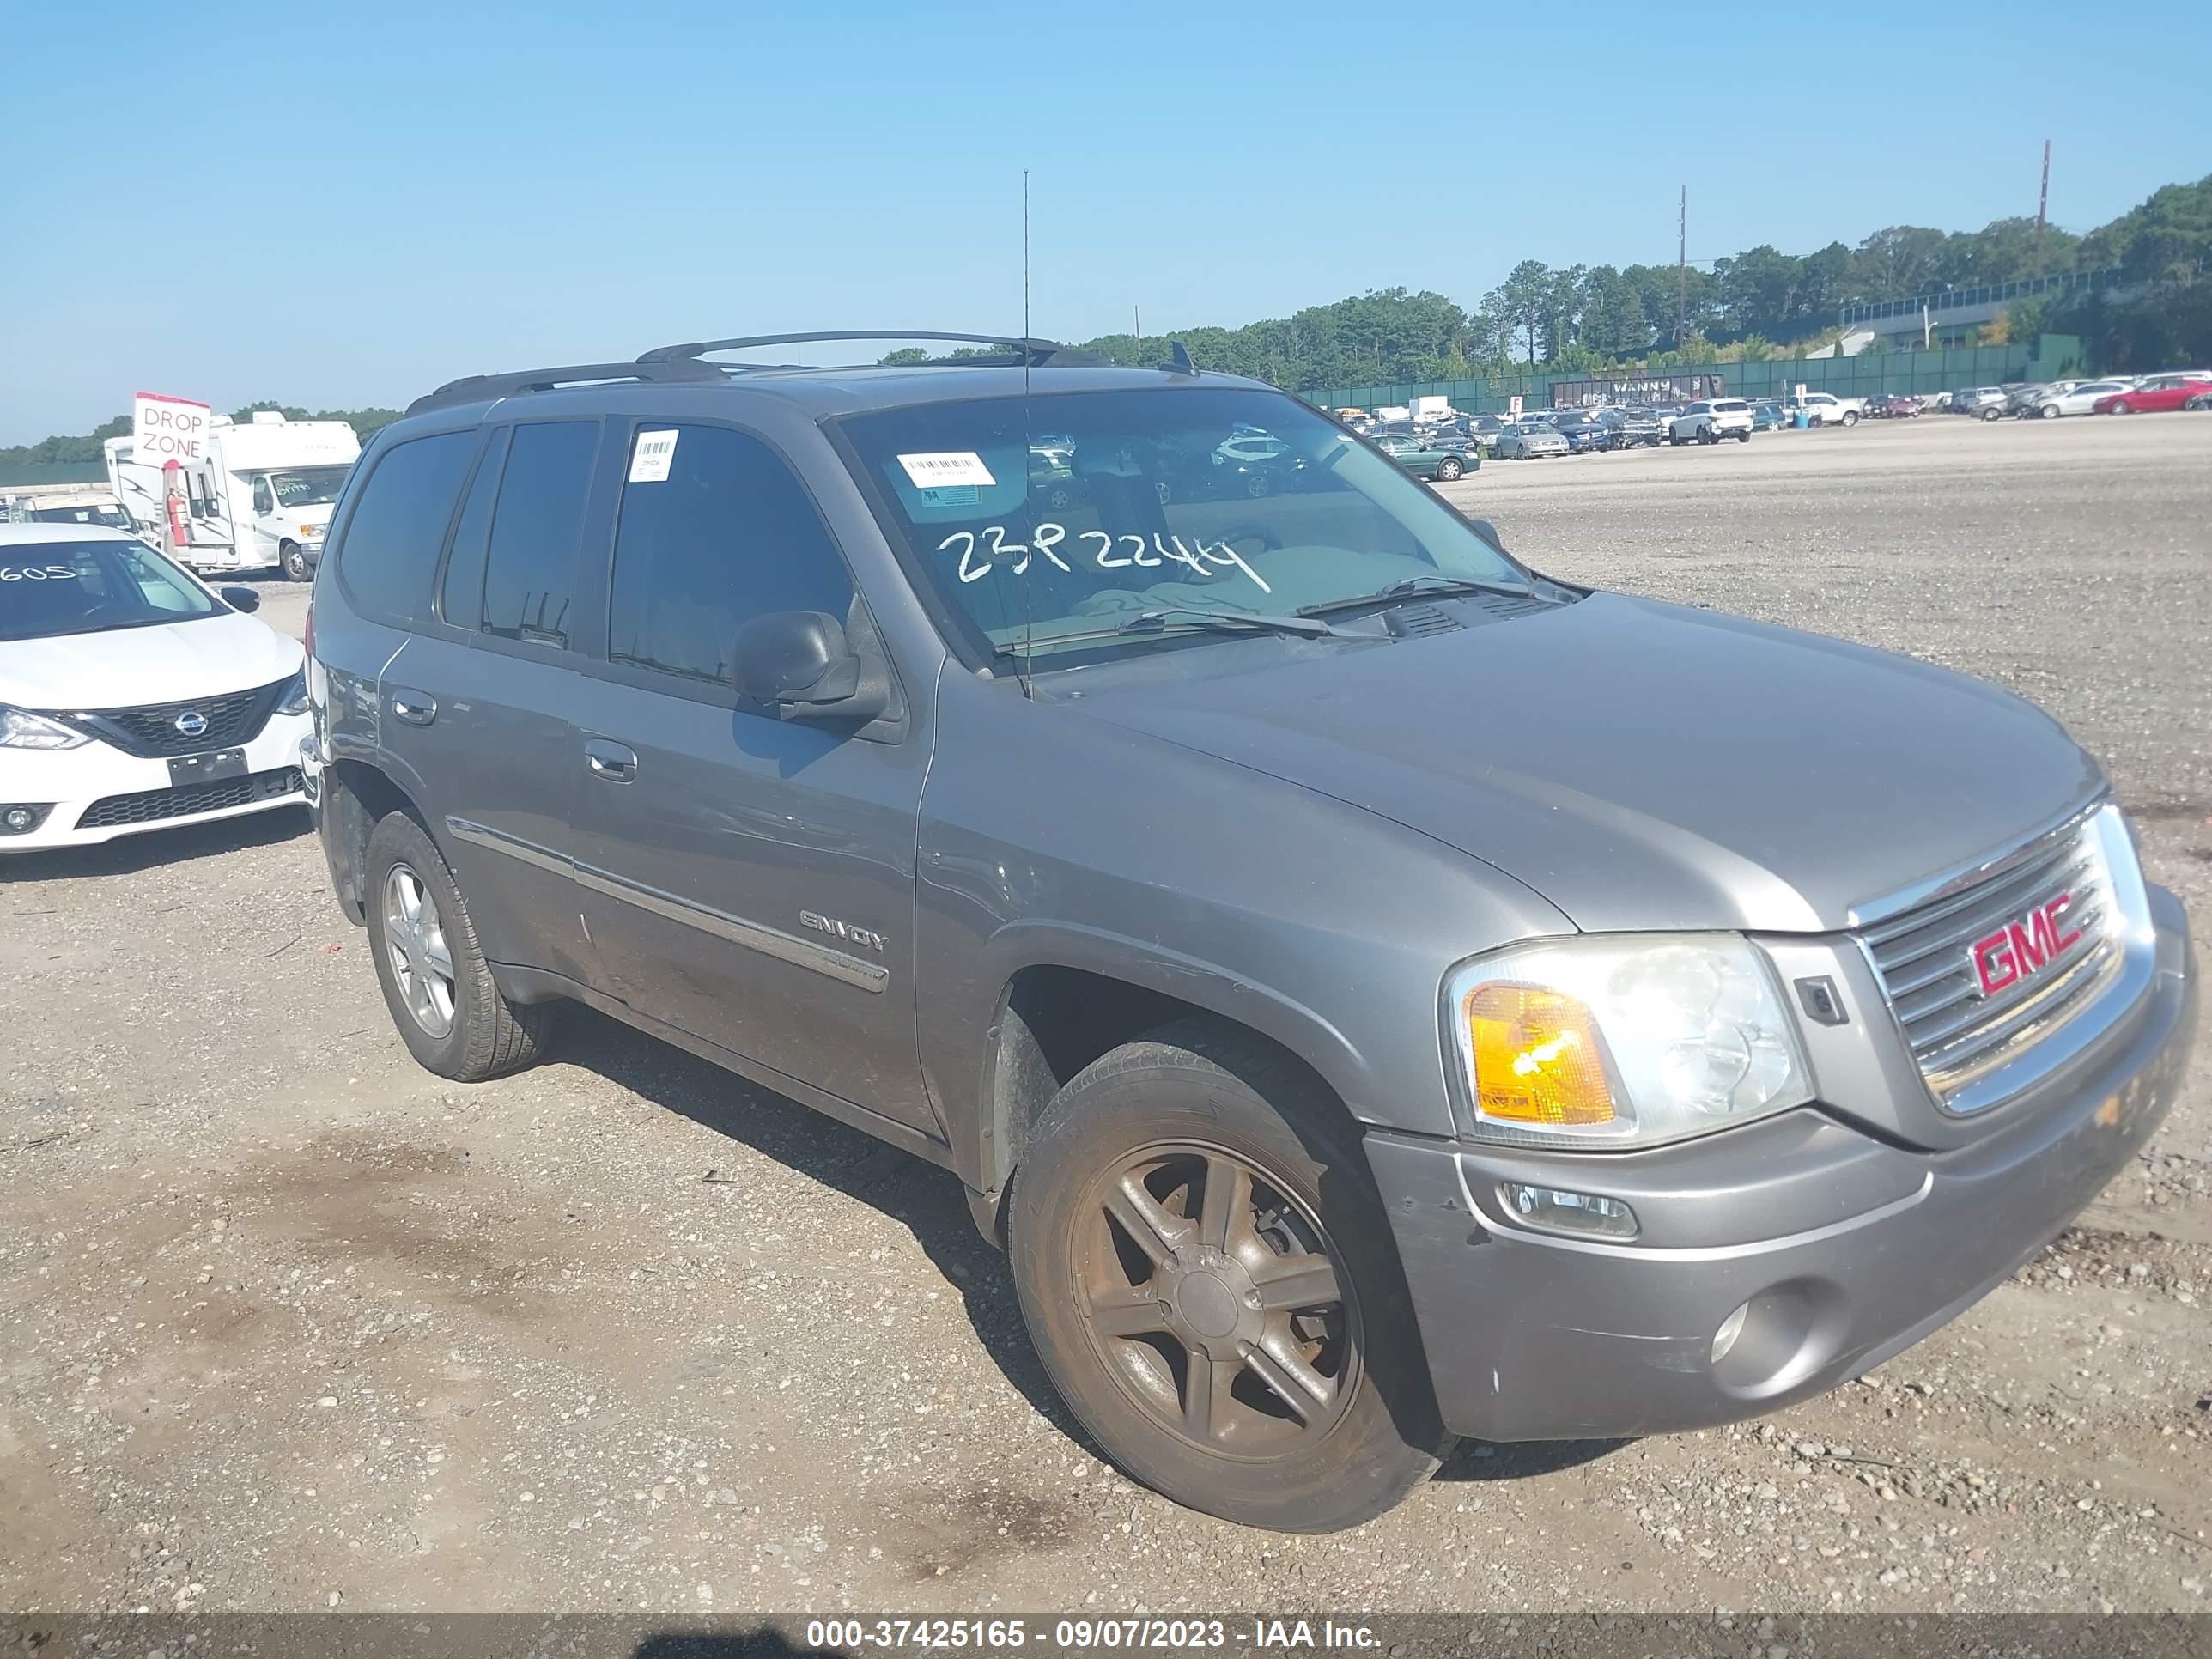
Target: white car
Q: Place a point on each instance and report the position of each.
(1711, 420)
(1826, 409)
(2079, 398)
(132, 697)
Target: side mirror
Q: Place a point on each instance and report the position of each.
(240, 599)
(800, 663)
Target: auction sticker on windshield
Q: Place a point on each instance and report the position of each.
(953, 467)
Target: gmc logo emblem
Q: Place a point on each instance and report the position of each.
(2022, 948)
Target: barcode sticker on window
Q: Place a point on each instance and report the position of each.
(953, 467)
(649, 461)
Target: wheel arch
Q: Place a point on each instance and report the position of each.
(357, 796)
(1055, 1017)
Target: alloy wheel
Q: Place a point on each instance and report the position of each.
(1215, 1301)
(421, 962)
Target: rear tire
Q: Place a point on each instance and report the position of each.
(2121, 409)
(1743, 437)
(292, 559)
(435, 981)
(2048, 411)
(1123, 1310)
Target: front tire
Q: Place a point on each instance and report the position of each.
(2121, 409)
(435, 981)
(2048, 411)
(1448, 470)
(292, 559)
(1207, 1271)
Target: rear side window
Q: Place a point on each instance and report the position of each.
(727, 534)
(394, 534)
(460, 601)
(530, 568)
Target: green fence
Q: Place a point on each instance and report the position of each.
(1915, 372)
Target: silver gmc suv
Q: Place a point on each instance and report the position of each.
(1374, 991)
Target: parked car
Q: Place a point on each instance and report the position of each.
(1334, 1088)
(1826, 409)
(1987, 401)
(2078, 398)
(1633, 426)
(1767, 416)
(1530, 441)
(2155, 395)
(1710, 420)
(1425, 460)
(132, 696)
(1482, 430)
(1891, 406)
(1583, 435)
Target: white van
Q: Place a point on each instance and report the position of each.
(263, 496)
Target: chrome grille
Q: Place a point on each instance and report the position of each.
(1924, 956)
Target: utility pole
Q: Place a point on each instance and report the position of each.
(2042, 206)
(1682, 267)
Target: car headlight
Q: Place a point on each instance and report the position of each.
(295, 700)
(1620, 1040)
(21, 729)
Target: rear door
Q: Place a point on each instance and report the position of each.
(484, 702)
(747, 879)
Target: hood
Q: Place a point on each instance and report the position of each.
(1645, 766)
(127, 667)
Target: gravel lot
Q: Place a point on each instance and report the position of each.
(286, 1323)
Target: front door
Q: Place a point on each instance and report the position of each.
(747, 879)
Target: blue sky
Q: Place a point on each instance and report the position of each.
(343, 206)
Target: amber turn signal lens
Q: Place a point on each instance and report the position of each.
(1536, 1057)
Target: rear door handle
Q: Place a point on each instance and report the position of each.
(611, 761)
(414, 708)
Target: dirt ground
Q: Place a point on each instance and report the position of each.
(286, 1323)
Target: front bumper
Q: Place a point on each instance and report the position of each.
(124, 794)
(1848, 1249)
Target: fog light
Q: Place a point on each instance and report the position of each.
(1568, 1212)
(1731, 1327)
(21, 820)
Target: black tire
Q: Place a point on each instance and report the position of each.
(1994, 412)
(2120, 409)
(1215, 1097)
(1449, 469)
(292, 559)
(484, 1035)
(1743, 437)
(2050, 411)
(1709, 435)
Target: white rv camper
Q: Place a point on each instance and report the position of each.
(262, 496)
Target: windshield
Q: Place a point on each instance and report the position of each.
(111, 517)
(48, 588)
(1150, 515)
(308, 486)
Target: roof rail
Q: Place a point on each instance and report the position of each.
(481, 388)
(1037, 352)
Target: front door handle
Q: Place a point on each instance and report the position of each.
(414, 708)
(611, 761)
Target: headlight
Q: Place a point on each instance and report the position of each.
(20, 729)
(1622, 1041)
(295, 700)
(310, 532)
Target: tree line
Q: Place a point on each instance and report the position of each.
(1753, 304)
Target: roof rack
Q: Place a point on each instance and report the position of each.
(482, 388)
(1038, 353)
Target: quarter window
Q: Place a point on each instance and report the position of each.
(394, 534)
(725, 536)
(530, 569)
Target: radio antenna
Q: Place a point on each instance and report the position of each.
(1021, 583)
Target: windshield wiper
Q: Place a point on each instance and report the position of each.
(1161, 618)
(1151, 622)
(1441, 586)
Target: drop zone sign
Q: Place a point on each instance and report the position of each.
(164, 430)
